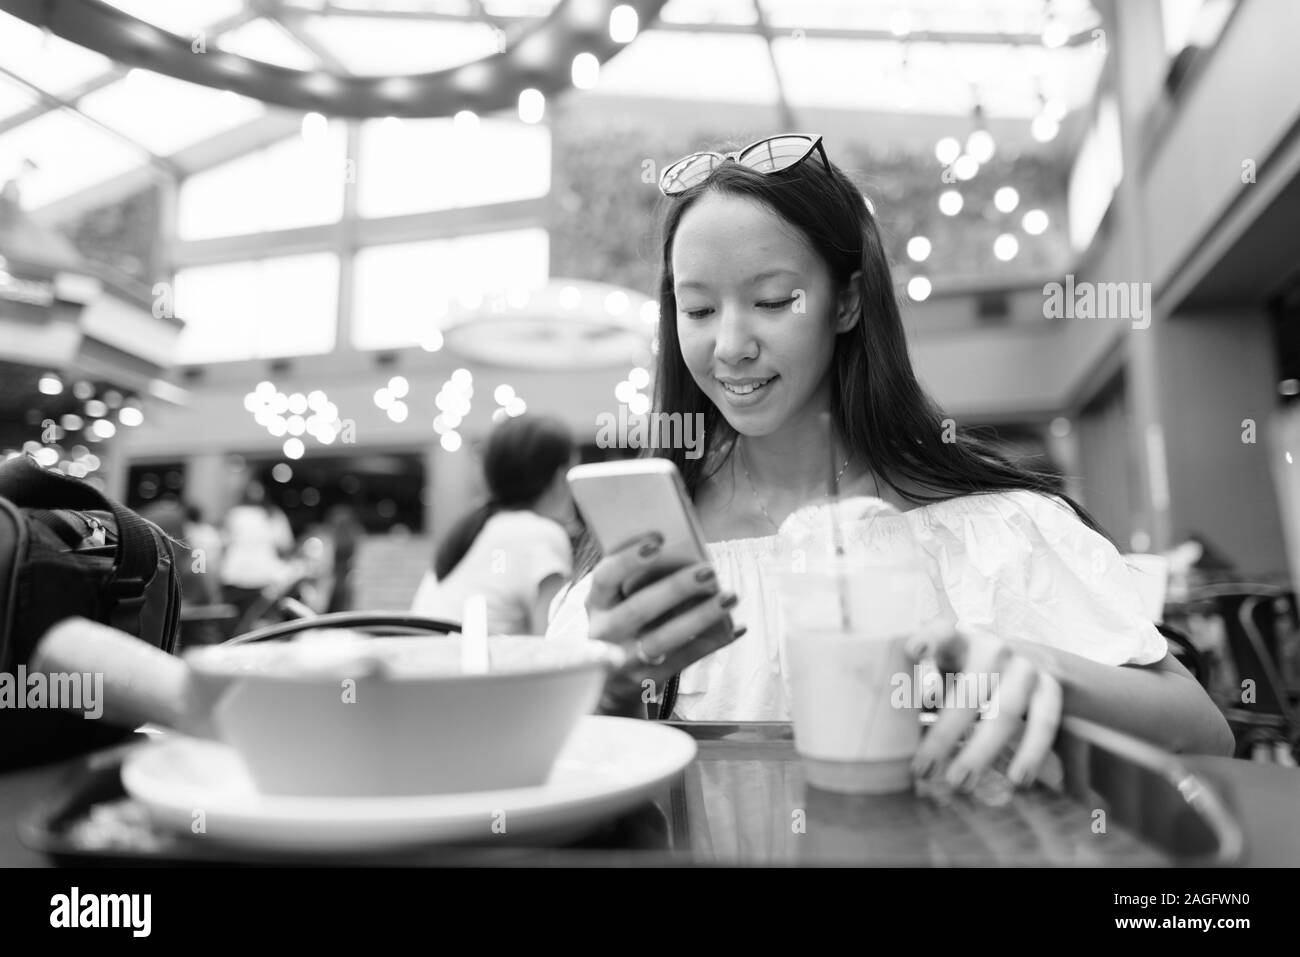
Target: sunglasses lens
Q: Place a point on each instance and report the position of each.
(777, 153)
(685, 173)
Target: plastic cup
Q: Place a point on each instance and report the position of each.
(844, 626)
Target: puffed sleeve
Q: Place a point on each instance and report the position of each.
(1023, 566)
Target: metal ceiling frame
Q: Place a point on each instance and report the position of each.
(48, 101)
(208, 152)
(1079, 38)
(290, 20)
(540, 60)
(276, 13)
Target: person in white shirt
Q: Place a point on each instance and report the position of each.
(777, 308)
(256, 540)
(514, 549)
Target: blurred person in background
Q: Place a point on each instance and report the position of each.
(257, 538)
(514, 549)
(204, 538)
(194, 568)
(346, 533)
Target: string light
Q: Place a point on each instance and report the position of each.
(623, 24)
(965, 167)
(947, 150)
(1043, 128)
(465, 121)
(1035, 222)
(585, 71)
(980, 146)
(532, 105)
(269, 407)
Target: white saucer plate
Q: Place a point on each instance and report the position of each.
(201, 788)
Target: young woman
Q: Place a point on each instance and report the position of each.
(777, 307)
(256, 543)
(514, 549)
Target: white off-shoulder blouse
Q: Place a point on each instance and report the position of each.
(1018, 564)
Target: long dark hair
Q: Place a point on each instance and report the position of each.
(878, 407)
(520, 461)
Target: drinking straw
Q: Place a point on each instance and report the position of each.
(474, 643)
(837, 535)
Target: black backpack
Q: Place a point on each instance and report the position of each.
(66, 550)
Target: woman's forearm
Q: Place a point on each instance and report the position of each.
(1160, 703)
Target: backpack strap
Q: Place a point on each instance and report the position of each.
(25, 483)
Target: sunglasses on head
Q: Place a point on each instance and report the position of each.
(769, 155)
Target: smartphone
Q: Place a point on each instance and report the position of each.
(624, 501)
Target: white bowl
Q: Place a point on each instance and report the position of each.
(342, 714)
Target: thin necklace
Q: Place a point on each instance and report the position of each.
(758, 499)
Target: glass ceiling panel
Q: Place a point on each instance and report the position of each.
(941, 16)
(14, 98)
(284, 306)
(457, 7)
(296, 182)
(59, 143)
(409, 166)
(519, 8)
(401, 290)
(268, 42)
(133, 106)
(53, 64)
(732, 67)
(709, 11)
(181, 17)
(940, 78)
(377, 46)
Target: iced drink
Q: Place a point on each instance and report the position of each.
(845, 624)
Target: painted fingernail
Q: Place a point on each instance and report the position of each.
(652, 546)
(729, 602)
(705, 575)
(740, 631)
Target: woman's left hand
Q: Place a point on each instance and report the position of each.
(1024, 700)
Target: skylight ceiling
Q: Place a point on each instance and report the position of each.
(922, 57)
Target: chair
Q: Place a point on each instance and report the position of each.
(270, 605)
(1266, 725)
(206, 624)
(1274, 620)
(381, 622)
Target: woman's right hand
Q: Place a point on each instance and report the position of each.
(656, 649)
